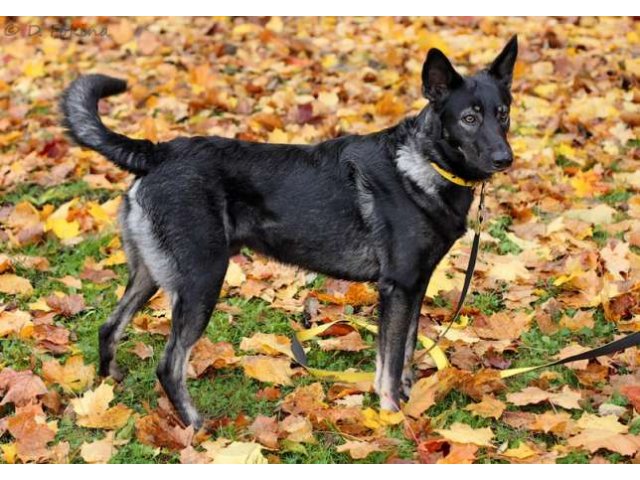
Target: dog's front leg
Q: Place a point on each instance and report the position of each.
(397, 317)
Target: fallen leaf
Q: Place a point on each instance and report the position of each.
(234, 276)
(489, 407)
(460, 454)
(20, 388)
(66, 305)
(428, 390)
(15, 285)
(32, 434)
(265, 430)
(74, 376)
(268, 344)
(297, 429)
(268, 369)
(93, 409)
(359, 449)
(240, 453)
(207, 354)
(12, 322)
(142, 350)
(162, 428)
(351, 342)
(463, 433)
(99, 451)
(305, 400)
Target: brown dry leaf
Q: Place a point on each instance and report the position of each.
(66, 305)
(268, 369)
(268, 344)
(52, 338)
(567, 398)
(265, 430)
(305, 400)
(608, 423)
(632, 392)
(297, 429)
(351, 342)
(489, 407)
(570, 350)
(558, 423)
(12, 322)
(14, 285)
(99, 451)
(162, 428)
(142, 350)
(74, 376)
(593, 440)
(463, 433)
(582, 319)
(190, 455)
(207, 354)
(359, 449)
(480, 383)
(502, 325)
(70, 281)
(97, 275)
(460, 454)
(93, 409)
(428, 390)
(32, 434)
(20, 388)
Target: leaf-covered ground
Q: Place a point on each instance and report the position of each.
(559, 269)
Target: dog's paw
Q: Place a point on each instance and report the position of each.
(389, 402)
(116, 373)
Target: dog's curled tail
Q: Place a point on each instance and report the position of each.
(80, 109)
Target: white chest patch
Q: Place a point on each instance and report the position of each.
(417, 168)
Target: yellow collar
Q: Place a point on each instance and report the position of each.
(453, 178)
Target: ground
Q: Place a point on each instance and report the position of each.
(558, 270)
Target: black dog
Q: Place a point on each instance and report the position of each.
(366, 208)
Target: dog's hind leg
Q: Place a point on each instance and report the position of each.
(193, 304)
(140, 289)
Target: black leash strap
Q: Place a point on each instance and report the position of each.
(470, 269)
(623, 343)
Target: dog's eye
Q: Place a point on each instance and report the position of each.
(469, 119)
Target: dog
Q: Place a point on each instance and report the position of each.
(377, 207)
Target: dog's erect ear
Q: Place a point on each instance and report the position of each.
(438, 76)
(502, 66)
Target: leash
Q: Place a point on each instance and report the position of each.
(431, 346)
(471, 266)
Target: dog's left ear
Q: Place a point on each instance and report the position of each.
(502, 66)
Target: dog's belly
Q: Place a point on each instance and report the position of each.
(337, 254)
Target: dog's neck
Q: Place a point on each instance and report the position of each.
(419, 142)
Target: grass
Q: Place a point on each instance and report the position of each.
(228, 393)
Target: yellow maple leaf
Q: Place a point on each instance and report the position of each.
(268, 369)
(463, 433)
(240, 453)
(93, 409)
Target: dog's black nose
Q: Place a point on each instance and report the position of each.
(502, 160)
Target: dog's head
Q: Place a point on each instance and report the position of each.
(473, 112)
